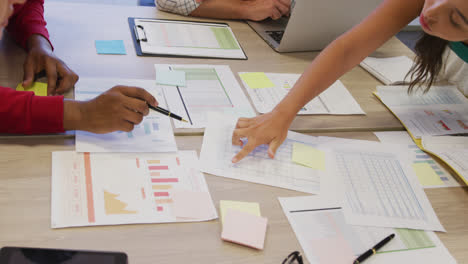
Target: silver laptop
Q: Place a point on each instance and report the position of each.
(313, 24)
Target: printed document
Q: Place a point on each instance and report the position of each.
(321, 229)
(209, 88)
(91, 189)
(443, 110)
(336, 100)
(153, 134)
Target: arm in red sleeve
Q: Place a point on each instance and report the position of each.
(28, 19)
(25, 113)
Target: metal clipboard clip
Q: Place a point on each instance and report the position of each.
(137, 35)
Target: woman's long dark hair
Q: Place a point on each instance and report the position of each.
(428, 62)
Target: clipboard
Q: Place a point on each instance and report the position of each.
(141, 37)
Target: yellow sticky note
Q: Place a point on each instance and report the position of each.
(256, 80)
(308, 156)
(426, 175)
(37, 87)
(251, 208)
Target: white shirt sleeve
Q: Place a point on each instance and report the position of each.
(182, 7)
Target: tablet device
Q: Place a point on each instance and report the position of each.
(23, 255)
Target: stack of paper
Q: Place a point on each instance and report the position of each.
(441, 111)
(388, 70)
(267, 89)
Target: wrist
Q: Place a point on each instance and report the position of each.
(284, 114)
(73, 115)
(38, 41)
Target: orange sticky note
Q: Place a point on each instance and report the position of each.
(244, 228)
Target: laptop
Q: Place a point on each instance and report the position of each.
(313, 24)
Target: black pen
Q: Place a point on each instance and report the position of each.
(166, 112)
(373, 250)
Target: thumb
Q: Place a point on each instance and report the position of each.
(28, 77)
(273, 146)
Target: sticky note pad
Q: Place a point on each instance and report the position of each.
(194, 205)
(308, 156)
(426, 174)
(110, 47)
(168, 77)
(256, 80)
(244, 228)
(251, 208)
(37, 87)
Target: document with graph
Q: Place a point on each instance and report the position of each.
(128, 188)
(267, 89)
(184, 38)
(321, 229)
(443, 110)
(453, 150)
(153, 134)
(217, 152)
(381, 188)
(208, 88)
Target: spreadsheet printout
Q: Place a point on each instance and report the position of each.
(336, 100)
(217, 152)
(381, 189)
(209, 88)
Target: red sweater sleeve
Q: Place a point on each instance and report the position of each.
(25, 113)
(28, 19)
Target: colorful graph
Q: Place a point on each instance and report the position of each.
(113, 205)
(148, 127)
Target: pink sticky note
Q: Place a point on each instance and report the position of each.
(194, 205)
(332, 250)
(244, 228)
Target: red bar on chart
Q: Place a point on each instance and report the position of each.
(165, 180)
(138, 162)
(159, 208)
(158, 167)
(159, 194)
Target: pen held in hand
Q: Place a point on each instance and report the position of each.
(166, 112)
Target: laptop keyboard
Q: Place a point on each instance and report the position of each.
(276, 35)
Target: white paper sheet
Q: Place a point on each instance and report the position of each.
(188, 38)
(388, 70)
(122, 188)
(217, 152)
(153, 134)
(381, 188)
(316, 220)
(451, 149)
(336, 100)
(209, 88)
(441, 111)
(404, 141)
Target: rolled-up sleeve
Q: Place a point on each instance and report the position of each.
(181, 7)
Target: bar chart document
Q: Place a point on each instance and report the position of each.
(381, 188)
(217, 152)
(186, 38)
(443, 110)
(153, 134)
(209, 88)
(336, 100)
(453, 150)
(126, 188)
(321, 229)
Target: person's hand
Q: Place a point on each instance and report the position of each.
(261, 9)
(118, 109)
(270, 128)
(40, 57)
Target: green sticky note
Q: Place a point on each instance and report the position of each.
(168, 77)
(251, 208)
(426, 175)
(256, 80)
(308, 156)
(37, 87)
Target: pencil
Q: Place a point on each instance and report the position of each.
(166, 112)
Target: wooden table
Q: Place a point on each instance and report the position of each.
(25, 169)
